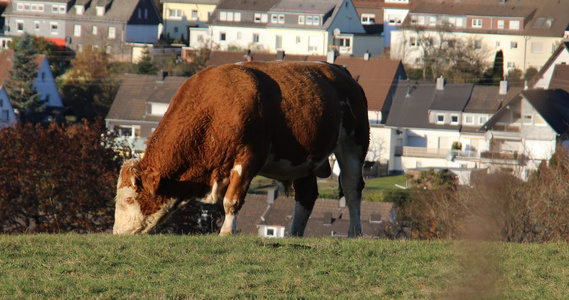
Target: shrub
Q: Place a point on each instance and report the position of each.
(57, 178)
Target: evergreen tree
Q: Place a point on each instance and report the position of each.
(20, 84)
(145, 65)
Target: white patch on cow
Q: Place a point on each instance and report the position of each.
(228, 227)
(216, 191)
(238, 169)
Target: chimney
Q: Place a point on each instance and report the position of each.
(160, 76)
(441, 83)
(327, 218)
(280, 55)
(331, 57)
(366, 56)
(272, 194)
(503, 87)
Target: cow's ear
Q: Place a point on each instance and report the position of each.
(151, 181)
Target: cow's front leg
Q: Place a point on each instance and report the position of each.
(234, 197)
(305, 194)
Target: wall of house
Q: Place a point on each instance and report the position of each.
(241, 37)
(347, 19)
(296, 41)
(7, 116)
(543, 82)
(182, 22)
(381, 144)
(390, 22)
(372, 44)
(45, 84)
(143, 34)
(520, 52)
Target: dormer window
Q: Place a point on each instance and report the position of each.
(79, 9)
(100, 10)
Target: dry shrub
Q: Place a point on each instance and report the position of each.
(497, 207)
(57, 178)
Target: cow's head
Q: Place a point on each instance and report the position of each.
(138, 208)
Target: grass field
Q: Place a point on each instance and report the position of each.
(328, 188)
(98, 266)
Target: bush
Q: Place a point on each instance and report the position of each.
(57, 178)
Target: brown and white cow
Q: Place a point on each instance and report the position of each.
(229, 123)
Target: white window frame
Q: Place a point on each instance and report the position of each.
(281, 19)
(527, 119)
(112, 33)
(53, 25)
(513, 45)
(440, 121)
(482, 120)
(194, 14)
(515, 24)
(177, 14)
(94, 30)
(274, 18)
(316, 20)
(301, 20)
(477, 23)
(468, 119)
(368, 19)
(501, 24)
(36, 25)
(77, 30)
(18, 23)
(454, 116)
(274, 231)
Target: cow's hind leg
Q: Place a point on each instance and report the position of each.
(351, 158)
(305, 194)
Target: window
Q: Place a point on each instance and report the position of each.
(368, 19)
(260, 18)
(468, 120)
(527, 120)
(511, 65)
(62, 9)
(156, 108)
(255, 37)
(80, 47)
(313, 44)
(513, 45)
(316, 20)
(300, 19)
(222, 36)
(274, 18)
(239, 35)
(454, 119)
(54, 9)
(5, 115)
(270, 232)
(478, 44)
(20, 6)
(482, 120)
(500, 24)
(308, 20)
(54, 27)
(497, 44)
(281, 19)
(108, 49)
(229, 16)
(298, 39)
(459, 22)
(477, 23)
(440, 119)
(394, 19)
(279, 42)
(237, 17)
(20, 25)
(94, 30)
(176, 29)
(514, 24)
(413, 41)
(194, 14)
(37, 25)
(112, 32)
(77, 30)
(432, 20)
(536, 47)
(176, 13)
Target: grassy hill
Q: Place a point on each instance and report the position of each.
(204, 267)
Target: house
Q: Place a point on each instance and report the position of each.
(427, 117)
(383, 15)
(140, 104)
(44, 84)
(329, 217)
(527, 32)
(7, 115)
(109, 25)
(527, 129)
(180, 15)
(553, 72)
(292, 26)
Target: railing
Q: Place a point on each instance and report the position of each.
(424, 152)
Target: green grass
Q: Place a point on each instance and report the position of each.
(211, 267)
(328, 188)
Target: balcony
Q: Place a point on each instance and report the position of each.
(424, 152)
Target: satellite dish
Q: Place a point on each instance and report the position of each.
(488, 135)
(336, 31)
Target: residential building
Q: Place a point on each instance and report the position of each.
(383, 15)
(44, 84)
(554, 72)
(180, 15)
(293, 26)
(527, 32)
(428, 118)
(272, 216)
(527, 129)
(109, 25)
(140, 104)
